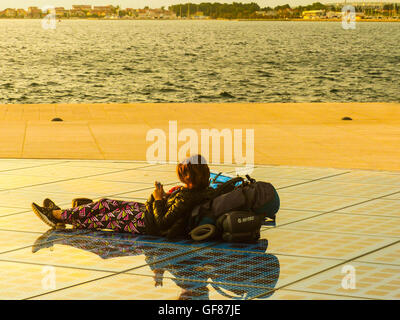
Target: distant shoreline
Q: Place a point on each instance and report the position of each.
(218, 19)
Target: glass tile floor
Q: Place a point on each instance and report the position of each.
(337, 236)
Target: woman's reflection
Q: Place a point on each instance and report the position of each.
(236, 271)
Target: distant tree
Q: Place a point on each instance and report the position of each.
(388, 6)
(286, 6)
(316, 6)
(218, 10)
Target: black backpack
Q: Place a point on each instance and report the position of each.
(239, 226)
(230, 212)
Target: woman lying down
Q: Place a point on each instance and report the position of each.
(164, 214)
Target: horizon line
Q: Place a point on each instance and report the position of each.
(324, 3)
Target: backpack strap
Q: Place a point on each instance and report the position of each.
(215, 179)
(246, 199)
(228, 185)
(249, 199)
(249, 184)
(251, 180)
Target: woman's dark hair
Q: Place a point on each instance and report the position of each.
(194, 170)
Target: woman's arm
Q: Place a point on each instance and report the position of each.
(165, 219)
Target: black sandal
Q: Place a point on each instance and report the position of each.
(47, 203)
(46, 215)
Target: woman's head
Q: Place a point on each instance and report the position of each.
(194, 172)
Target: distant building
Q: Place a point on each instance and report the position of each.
(199, 15)
(334, 15)
(130, 12)
(77, 13)
(154, 13)
(271, 13)
(313, 14)
(103, 10)
(360, 15)
(267, 14)
(143, 13)
(80, 11)
(82, 7)
(21, 13)
(34, 12)
(169, 15)
(374, 5)
(10, 13)
(61, 12)
(261, 13)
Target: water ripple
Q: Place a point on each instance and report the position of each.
(203, 61)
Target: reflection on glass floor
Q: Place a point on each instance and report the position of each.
(331, 221)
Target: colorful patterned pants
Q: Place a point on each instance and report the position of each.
(120, 216)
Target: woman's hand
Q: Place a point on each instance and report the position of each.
(159, 192)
